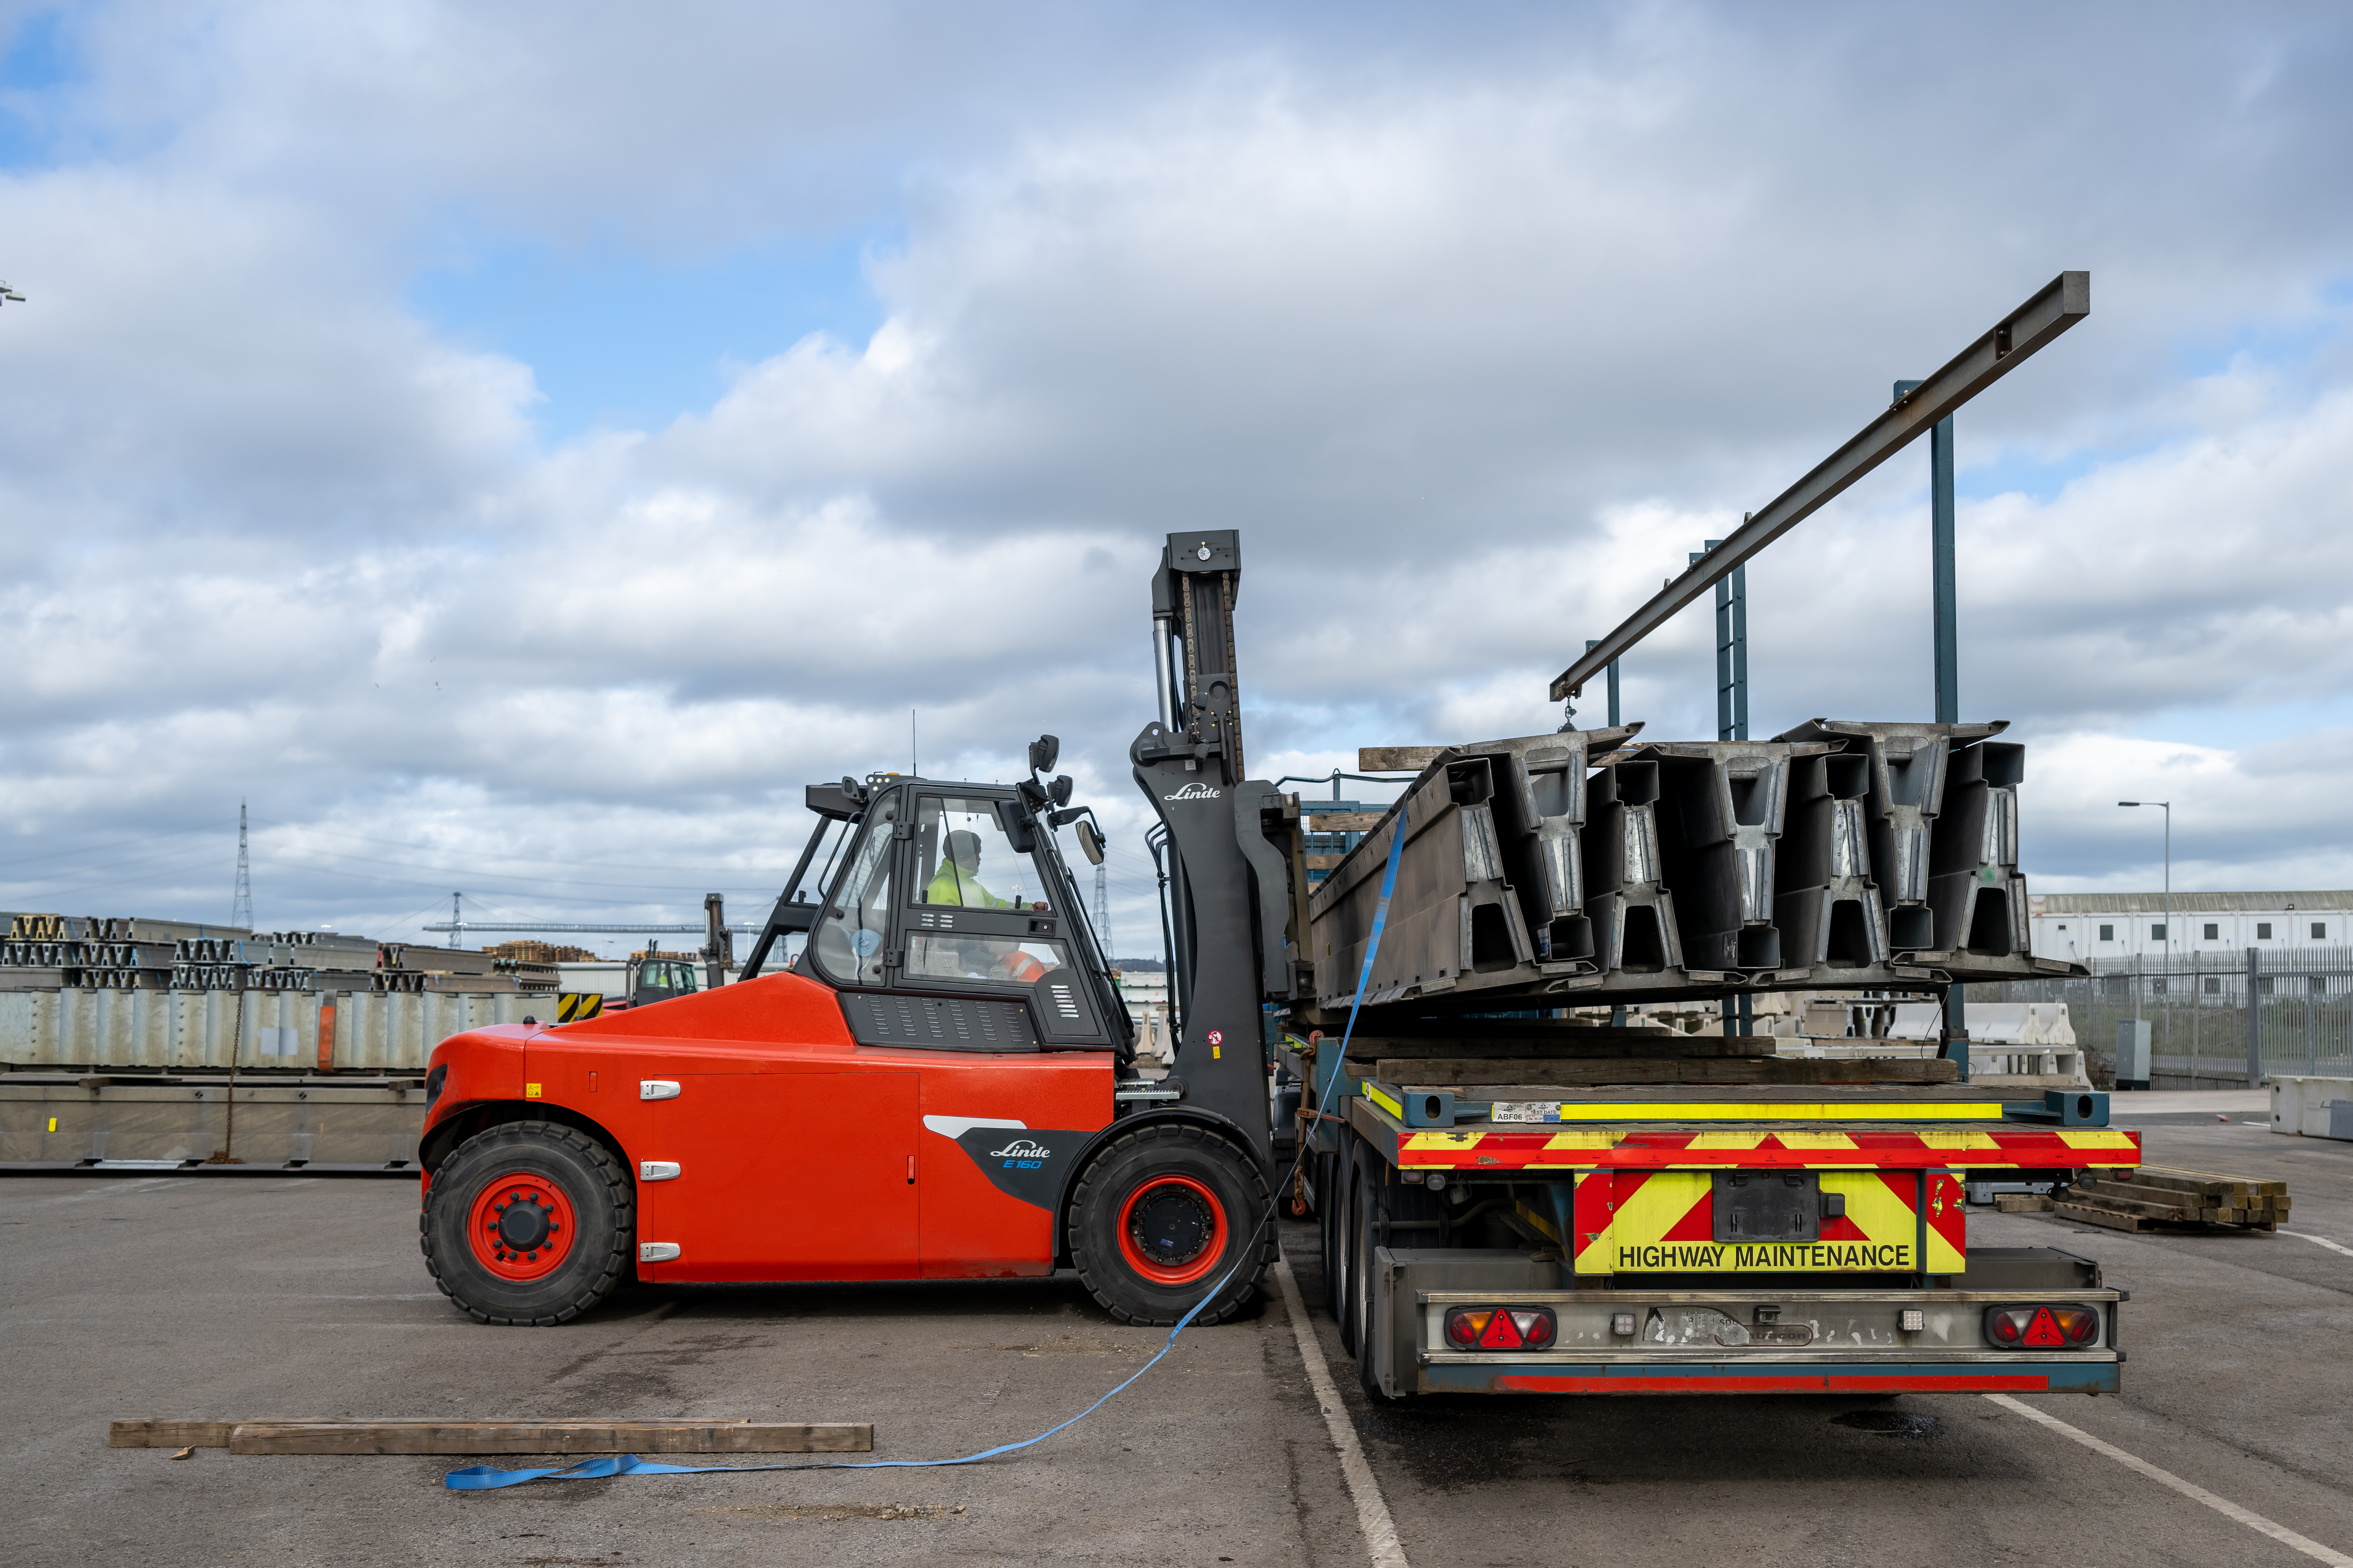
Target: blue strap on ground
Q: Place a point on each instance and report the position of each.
(486, 1478)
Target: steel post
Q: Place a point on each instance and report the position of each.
(2058, 305)
(2255, 1026)
(1732, 712)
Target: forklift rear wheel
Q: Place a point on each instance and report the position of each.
(1161, 1216)
(528, 1223)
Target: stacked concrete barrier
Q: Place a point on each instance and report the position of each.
(1564, 869)
(1942, 811)
(360, 1031)
(1490, 887)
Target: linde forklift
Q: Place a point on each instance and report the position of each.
(942, 1083)
(941, 1086)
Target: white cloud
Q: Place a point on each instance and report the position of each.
(1475, 330)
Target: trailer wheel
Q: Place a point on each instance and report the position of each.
(1330, 1202)
(1162, 1215)
(529, 1223)
(1361, 1319)
(1347, 1205)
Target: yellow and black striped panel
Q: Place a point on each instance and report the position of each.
(571, 1006)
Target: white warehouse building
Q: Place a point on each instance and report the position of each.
(2082, 927)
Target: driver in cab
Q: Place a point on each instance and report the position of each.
(958, 882)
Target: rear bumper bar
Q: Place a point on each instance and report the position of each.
(2092, 1376)
(1762, 1335)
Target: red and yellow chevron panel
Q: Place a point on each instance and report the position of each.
(1479, 1150)
(1662, 1222)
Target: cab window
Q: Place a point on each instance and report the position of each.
(848, 939)
(963, 858)
(986, 959)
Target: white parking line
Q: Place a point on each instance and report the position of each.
(2252, 1520)
(2320, 1241)
(1372, 1512)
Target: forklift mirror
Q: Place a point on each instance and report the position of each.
(1059, 792)
(1091, 843)
(1044, 752)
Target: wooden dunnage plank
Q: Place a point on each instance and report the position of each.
(1603, 1043)
(2110, 1199)
(2170, 1174)
(168, 1434)
(535, 1437)
(2151, 1199)
(1443, 1072)
(2108, 1218)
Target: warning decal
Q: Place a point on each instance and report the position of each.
(1652, 1222)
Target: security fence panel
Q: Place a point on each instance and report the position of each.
(2217, 1020)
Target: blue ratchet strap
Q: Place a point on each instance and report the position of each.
(486, 1478)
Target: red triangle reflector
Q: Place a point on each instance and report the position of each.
(2044, 1330)
(1501, 1334)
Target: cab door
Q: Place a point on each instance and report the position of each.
(783, 1176)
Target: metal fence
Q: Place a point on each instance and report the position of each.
(2217, 1020)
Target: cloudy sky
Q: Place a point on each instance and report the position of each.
(514, 448)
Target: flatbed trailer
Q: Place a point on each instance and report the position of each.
(1647, 1240)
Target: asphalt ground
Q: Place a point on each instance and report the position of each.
(166, 1296)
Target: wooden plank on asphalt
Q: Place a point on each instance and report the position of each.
(2171, 1175)
(533, 1436)
(2151, 1199)
(2100, 1216)
(168, 1434)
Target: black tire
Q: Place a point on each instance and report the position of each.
(1361, 1244)
(585, 1177)
(1163, 1213)
(1343, 1249)
(1329, 1203)
(1375, 1197)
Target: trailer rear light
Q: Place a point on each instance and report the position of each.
(2043, 1328)
(1500, 1328)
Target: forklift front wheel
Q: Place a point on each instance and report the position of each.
(1165, 1215)
(529, 1222)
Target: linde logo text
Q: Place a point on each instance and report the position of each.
(1021, 1149)
(1194, 792)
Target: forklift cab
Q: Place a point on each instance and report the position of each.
(952, 923)
(659, 979)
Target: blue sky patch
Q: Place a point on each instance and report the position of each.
(37, 59)
(622, 341)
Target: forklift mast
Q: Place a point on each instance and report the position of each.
(1236, 886)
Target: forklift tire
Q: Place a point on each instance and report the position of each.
(529, 1223)
(1161, 1215)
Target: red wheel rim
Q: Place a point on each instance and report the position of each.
(1190, 1202)
(522, 1226)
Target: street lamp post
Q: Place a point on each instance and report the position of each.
(2168, 807)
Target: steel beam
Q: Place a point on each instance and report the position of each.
(2055, 308)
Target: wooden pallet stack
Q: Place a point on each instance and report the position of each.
(2155, 1197)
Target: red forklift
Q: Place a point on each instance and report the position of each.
(941, 1085)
